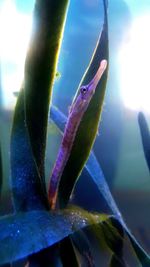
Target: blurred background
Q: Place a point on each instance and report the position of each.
(118, 145)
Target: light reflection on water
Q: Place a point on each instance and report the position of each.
(15, 29)
(134, 58)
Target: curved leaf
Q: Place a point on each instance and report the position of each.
(26, 233)
(95, 171)
(96, 174)
(28, 136)
(88, 127)
(145, 136)
(40, 69)
(114, 236)
(28, 191)
(142, 256)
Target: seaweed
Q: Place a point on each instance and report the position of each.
(34, 233)
(145, 137)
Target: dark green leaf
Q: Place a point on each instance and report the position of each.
(28, 137)
(28, 190)
(88, 127)
(26, 233)
(142, 256)
(40, 69)
(114, 237)
(83, 246)
(145, 136)
(117, 262)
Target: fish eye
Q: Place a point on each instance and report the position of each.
(83, 89)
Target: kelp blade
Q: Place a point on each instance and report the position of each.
(88, 127)
(44, 227)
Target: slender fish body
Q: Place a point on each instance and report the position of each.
(77, 110)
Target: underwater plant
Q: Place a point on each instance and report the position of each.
(145, 137)
(44, 230)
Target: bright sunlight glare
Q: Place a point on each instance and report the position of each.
(15, 30)
(134, 68)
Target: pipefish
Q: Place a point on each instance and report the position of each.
(76, 112)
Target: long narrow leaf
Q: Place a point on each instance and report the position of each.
(40, 69)
(93, 168)
(96, 173)
(83, 246)
(88, 127)
(26, 233)
(141, 254)
(28, 191)
(145, 136)
(28, 137)
(114, 236)
(143, 257)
